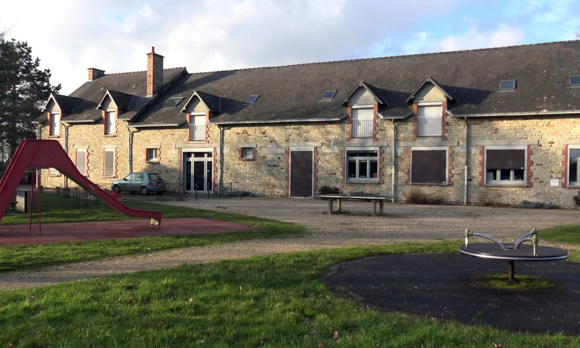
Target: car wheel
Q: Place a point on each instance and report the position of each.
(144, 191)
(117, 189)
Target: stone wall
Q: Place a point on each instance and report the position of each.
(267, 174)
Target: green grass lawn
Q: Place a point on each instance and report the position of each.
(272, 300)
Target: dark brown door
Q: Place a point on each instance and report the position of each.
(301, 172)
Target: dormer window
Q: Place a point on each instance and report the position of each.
(197, 126)
(110, 122)
(429, 119)
(363, 121)
(507, 85)
(54, 130)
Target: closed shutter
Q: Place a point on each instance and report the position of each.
(82, 161)
(109, 162)
(506, 159)
(429, 166)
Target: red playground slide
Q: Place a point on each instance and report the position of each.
(33, 153)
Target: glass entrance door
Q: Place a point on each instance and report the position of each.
(198, 171)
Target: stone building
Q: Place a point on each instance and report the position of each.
(490, 126)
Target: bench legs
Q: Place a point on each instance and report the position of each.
(381, 206)
(330, 202)
(338, 205)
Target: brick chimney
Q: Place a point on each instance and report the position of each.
(95, 73)
(154, 72)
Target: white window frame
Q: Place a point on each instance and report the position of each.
(363, 121)
(197, 126)
(430, 124)
(82, 169)
(511, 181)
(53, 172)
(435, 148)
(54, 124)
(573, 183)
(152, 154)
(351, 156)
(109, 172)
(110, 122)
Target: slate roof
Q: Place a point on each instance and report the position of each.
(293, 93)
(121, 87)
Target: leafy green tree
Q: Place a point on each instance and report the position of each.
(24, 88)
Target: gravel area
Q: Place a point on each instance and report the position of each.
(400, 223)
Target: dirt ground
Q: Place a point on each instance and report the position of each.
(401, 222)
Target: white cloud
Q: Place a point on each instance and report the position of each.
(502, 35)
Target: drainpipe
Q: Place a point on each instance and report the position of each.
(465, 189)
(130, 153)
(394, 162)
(222, 146)
(66, 127)
(221, 173)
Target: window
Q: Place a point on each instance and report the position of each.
(110, 122)
(109, 163)
(362, 122)
(362, 165)
(247, 153)
(152, 155)
(507, 85)
(251, 99)
(82, 161)
(573, 167)
(173, 101)
(54, 124)
(53, 172)
(574, 80)
(505, 166)
(429, 166)
(430, 120)
(197, 127)
(328, 95)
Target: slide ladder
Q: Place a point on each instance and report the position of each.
(35, 153)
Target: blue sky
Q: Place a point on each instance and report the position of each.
(70, 36)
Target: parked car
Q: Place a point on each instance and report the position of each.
(142, 182)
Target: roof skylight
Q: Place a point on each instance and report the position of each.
(251, 99)
(574, 80)
(174, 101)
(507, 85)
(328, 94)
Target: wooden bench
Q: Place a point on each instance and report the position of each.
(339, 198)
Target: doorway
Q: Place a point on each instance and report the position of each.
(301, 173)
(198, 171)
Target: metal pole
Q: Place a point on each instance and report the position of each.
(30, 205)
(38, 204)
(394, 163)
(466, 182)
(511, 270)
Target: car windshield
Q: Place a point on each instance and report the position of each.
(154, 176)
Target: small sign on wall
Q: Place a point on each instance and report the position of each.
(555, 182)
